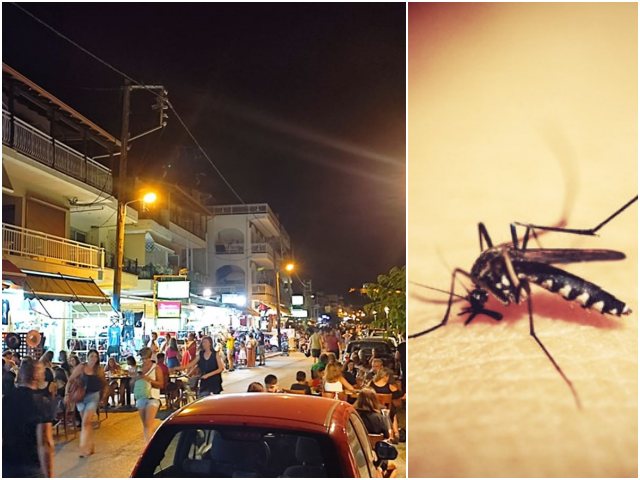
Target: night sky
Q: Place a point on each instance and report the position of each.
(301, 106)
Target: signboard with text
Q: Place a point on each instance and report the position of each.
(168, 309)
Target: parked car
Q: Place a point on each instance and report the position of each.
(385, 349)
(262, 435)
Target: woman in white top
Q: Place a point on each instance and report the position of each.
(334, 382)
(148, 407)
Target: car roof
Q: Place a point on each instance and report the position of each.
(265, 409)
(372, 340)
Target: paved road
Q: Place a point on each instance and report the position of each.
(119, 438)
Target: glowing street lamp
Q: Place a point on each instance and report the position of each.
(289, 267)
(149, 197)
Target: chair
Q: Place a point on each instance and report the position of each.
(374, 438)
(385, 399)
(66, 417)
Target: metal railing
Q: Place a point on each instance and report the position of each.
(31, 243)
(262, 248)
(35, 144)
(253, 208)
(229, 248)
(263, 289)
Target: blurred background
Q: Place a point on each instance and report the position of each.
(522, 112)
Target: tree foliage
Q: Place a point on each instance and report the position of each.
(389, 291)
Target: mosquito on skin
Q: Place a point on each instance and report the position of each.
(506, 271)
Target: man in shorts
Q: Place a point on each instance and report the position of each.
(315, 342)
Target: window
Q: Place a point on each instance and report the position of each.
(203, 452)
(358, 450)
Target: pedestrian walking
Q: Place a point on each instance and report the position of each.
(242, 354)
(172, 354)
(27, 431)
(251, 351)
(146, 389)
(231, 350)
(153, 345)
(91, 375)
(210, 364)
(315, 342)
(260, 350)
(190, 350)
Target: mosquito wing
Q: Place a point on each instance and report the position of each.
(570, 255)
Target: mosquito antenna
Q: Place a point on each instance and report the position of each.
(438, 290)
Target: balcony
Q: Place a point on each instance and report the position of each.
(230, 248)
(263, 289)
(261, 214)
(39, 146)
(262, 254)
(50, 248)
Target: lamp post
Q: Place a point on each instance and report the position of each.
(119, 260)
(289, 268)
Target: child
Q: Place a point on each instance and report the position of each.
(301, 383)
(271, 384)
(242, 354)
(318, 381)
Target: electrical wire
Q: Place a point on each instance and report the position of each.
(151, 91)
(135, 82)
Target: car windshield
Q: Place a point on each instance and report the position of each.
(206, 451)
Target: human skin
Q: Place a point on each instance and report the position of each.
(521, 112)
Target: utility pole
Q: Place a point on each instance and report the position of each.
(122, 191)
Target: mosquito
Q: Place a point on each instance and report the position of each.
(506, 271)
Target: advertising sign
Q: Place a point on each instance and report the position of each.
(168, 309)
(170, 290)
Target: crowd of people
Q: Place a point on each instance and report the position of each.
(38, 393)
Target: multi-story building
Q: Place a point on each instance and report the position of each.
(247, 247)
(59, 222)
(53, 160)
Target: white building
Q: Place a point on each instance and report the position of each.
(247, 245)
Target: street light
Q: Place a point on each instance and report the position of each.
(289, 268)
(149, 197)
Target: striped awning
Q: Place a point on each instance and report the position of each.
(44, 286)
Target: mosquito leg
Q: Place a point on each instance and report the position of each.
(484, 234)
(449, 303)
(579, 231)
(532, 332)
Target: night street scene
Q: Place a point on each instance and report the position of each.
(203, 240)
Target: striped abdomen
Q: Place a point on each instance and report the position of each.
(571, 287)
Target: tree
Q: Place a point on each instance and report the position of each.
(388, 301)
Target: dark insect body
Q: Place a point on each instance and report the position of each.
(507, 271)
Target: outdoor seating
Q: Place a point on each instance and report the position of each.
(385, 399)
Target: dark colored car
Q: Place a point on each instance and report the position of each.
(262, 435)
(385, 349)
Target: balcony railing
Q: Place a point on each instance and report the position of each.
(262, 248)
(35, 144)
(31, 243)
(230, 248)
(253, 208)
(191, 224)
(263, 289)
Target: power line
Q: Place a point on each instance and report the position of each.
(135, 82)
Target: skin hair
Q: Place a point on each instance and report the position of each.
(333, 372)
(300, 376)
(270, 380)
(255, 387)
(367, 400)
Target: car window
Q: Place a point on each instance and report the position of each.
(188, 451)
(359, 452)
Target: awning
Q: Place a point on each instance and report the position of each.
(11, 274)
(63, 287)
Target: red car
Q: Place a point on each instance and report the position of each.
(262, 435)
